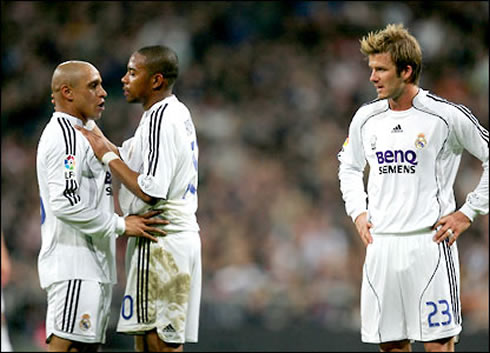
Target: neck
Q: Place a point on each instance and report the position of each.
(70, 111)
(156, 97)
(404, 100)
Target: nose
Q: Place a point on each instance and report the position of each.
(124, 78)
(103, 92)
(373, 77)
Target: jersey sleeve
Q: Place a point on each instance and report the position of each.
(470, 135)
(64, 169)
(351, 171)
(159, 156)
(125, 149)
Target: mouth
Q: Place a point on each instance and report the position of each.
(101, 106)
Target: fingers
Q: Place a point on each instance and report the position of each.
(155, 221)
(368, 239)
(155, 230)
(149, 236)
(151, 213)
(443, 232)
(149, 220)
(365, 235)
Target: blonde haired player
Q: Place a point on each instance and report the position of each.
(412, 140)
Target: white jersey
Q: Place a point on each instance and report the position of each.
(164, 152)
(78, 223)
(413, 157)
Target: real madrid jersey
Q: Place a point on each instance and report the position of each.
(164, 152)
(78, 223)
(413, 157)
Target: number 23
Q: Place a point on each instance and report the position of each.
(434, 311)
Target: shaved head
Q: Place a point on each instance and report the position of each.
(69, 73)
(77, 90)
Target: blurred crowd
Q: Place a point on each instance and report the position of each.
(272, 87)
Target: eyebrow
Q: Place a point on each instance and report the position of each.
(96, 81)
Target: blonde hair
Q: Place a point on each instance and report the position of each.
(400, 44)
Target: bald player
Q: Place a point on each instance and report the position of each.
(76, 262)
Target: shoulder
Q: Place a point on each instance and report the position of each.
(177, 108)
(369, 110)
(440, 106)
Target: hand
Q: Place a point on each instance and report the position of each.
(137, 225)
(363, 226)
(97, 140)
(456, 221)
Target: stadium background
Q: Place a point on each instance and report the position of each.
(272, 87)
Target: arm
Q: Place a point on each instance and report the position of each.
(128, 177)
(6, 265)
(68, 203)
(92, 126)
(469, 135)
(351, 174)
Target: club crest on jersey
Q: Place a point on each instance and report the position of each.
(70, 167)
(373, 142)
(420, 142)
(85, 323)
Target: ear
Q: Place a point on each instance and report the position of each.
(407, 72)
(158, 81)
(67, 92)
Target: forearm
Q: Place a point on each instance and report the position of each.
(130, 179)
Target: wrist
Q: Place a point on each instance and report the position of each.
(108, 157)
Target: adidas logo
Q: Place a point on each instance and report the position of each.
(397, 128)
(168, 328)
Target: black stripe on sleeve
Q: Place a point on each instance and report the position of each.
(64, 135)
(158, 140)
(67, 193)
(71, 136)
(71, 186)
(483, 132)
(154, 131)
(150, 144)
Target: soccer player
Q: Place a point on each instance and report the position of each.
(76, 262)
(158, 170)
(412, 140)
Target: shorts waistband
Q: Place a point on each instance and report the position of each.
(428, 231)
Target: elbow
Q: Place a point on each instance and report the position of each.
(148, 199)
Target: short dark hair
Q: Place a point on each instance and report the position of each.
(163, 60)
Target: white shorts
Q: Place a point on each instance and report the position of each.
(78, 310)
(410, 289)
(163, 287)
